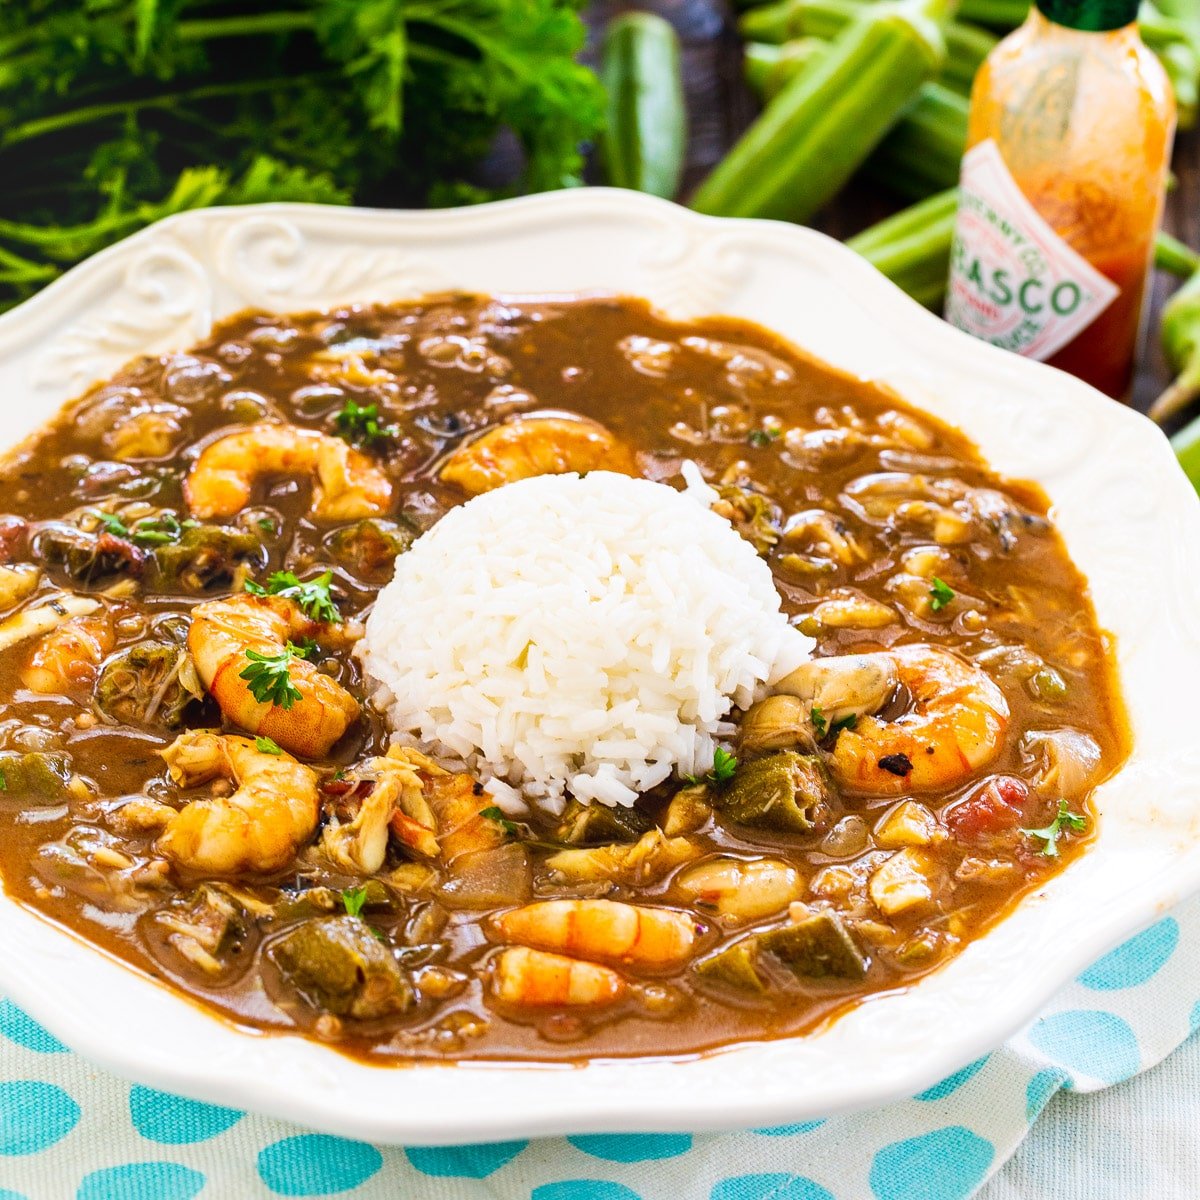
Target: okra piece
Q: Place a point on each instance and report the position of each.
(642, 146)
(1186, 444)
(1180, 334)
(820, 128)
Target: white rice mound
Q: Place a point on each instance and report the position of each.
(588, 635)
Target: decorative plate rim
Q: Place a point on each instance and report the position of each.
(1129, 517)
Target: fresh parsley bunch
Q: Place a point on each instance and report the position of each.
(114, 113)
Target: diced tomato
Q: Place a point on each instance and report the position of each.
(993, 809)
(12, 533)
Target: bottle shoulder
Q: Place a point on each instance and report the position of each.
(1113, 66)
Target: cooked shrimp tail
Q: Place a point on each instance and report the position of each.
(533, 978)
(629, 933)
(346, 484)
(67, 658)
(953, 724)
(272, 812)
(536, 444)
(223, 636)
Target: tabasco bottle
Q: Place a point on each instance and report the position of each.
(1061, 191)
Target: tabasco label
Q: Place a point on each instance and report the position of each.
(1013, 281)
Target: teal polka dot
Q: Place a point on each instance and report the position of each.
(463, 1162)
(1040, 1088)
(787, 1130)
(632, 1147)
(952, 1082)
(316, 1164)
(34, 1115)
(582, 1189)
(1194, 1020)
(139, 1181)
(174, 1121)
(769, 1187)
(18, 1026)
(947, 1164)
(5, 1194)
(1093, 1042)
(1134, 961)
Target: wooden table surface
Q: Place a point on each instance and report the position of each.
(720, 106)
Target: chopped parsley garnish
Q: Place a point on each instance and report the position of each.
(494, 812)
(267, 675)
(267, 525)
(723, 769)
(306, 648)
(313, 597)
(1049, 834)
(359, 424)
(353, 899)
(762, 437)
(113, 524)
(940, 594)
(267, 745)
(3, 781)
(823, 725)
(163, 530)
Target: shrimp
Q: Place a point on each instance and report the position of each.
(347, 484)
(221, 635)
(67, 658)
(535, 444)
(954, 724)
(649, 937)
(534, 978)
(259, 827)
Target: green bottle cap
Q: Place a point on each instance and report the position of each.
(1095, 16)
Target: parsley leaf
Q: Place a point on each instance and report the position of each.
(353, 899)
(267, 675)
(359, 424)
(314, 597)
(824, 726)
(1049, 834)
(163, 530)
(762, 437)
(3, 781)
(137, 109)
(306, 648)
(267, 525)
(820, 723)
(723, 769)
(267, 745)
(494, 812)
(940, 594)
(113, 524)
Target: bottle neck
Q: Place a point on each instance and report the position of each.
(1089, 16)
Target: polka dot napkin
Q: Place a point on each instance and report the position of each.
(71, 1132)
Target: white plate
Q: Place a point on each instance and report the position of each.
(1130, 519)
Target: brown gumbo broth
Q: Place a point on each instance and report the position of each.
(881, 527)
